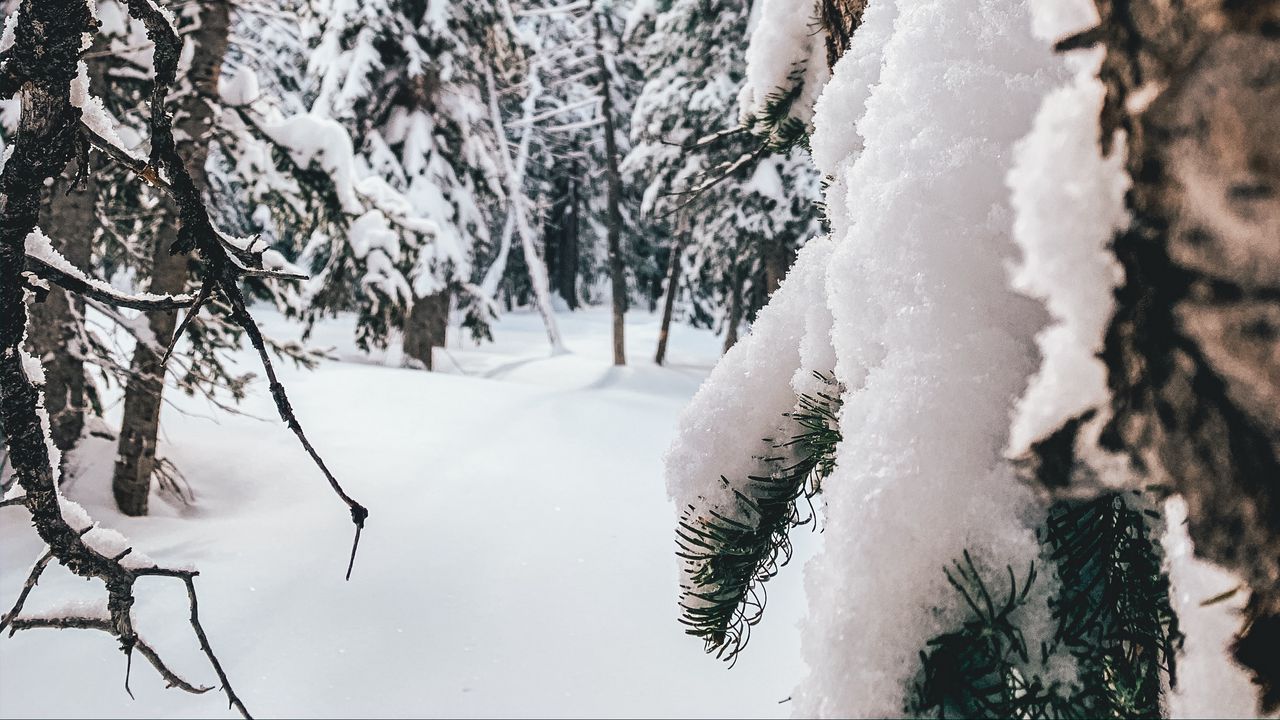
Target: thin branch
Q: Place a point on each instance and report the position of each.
(20, 500)
(173, 679)
(32, 579)
(233, 700)
(101, 291)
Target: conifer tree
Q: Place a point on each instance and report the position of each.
(408, 162)
(1052, 595)
(734, 212)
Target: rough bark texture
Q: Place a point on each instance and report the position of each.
(613, 179)
(839, 19)
(56, 330)
(1193, 351)
(56, 333)
(139, 428)
(426, 328)
(47, 47)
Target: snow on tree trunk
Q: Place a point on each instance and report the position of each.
(56, 333)
(1132, 344)
(139, 427)
(1190, 354)
(517, 203)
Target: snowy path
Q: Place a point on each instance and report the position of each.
(518, 560)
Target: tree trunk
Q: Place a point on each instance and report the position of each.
(839, 19)
(136, 456)
(552, 232)
(427, 327)
(569, 249)
(514, 169)
(673, 289)
(668, 304)
(735, 311)
(56, 330)
(777, 261)
(1193, 350)
(55, 333)
(613, 221)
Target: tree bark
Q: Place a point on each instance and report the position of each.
(735, 310)
(839, 18)
(427, 327)
(777, 261)
(673, 289)
(139, 428)
(613, 221)
(56, 331)
(1193, 350)
(567, 273)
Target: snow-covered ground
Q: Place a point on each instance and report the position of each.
(518, 560)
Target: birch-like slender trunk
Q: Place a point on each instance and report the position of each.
(517, 204)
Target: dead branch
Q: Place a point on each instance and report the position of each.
(43, 61)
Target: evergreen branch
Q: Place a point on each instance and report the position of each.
(727, 559)
(1113, 615)
(1113, 611)
(779, 130)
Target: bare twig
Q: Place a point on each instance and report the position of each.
(20, 500)
(32, 579)
(172, 679)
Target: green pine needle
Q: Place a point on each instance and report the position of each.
(775, 124)
(730, 559)
(1114, 618)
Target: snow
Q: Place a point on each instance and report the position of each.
(240, 87)
(1211, 684)
(93, 113)
(7, 36)
(38, 246)
(911, 302)
(932, 344)
(518, 559)
(744, 399)
(783, 40)
(311, 138)
(1069, 201)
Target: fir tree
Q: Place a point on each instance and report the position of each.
(734, 212)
